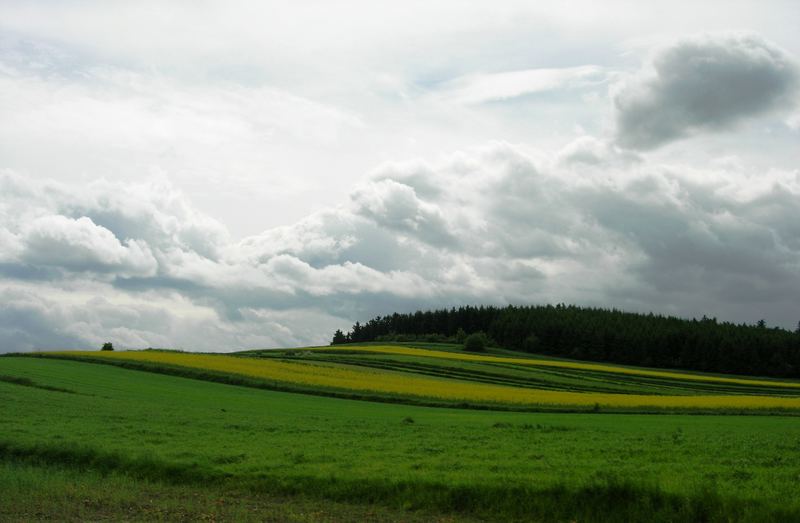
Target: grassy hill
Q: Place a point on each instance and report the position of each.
(81, 440)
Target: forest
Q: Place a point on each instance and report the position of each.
(597, 334)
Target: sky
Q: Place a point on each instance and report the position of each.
(218, 176)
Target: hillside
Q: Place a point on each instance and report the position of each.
(596, 334)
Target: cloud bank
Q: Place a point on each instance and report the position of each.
(139, 265)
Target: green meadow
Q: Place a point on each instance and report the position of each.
(80, 440)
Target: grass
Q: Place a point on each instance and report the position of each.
(26, 382)
(46, 492)
(195, 441)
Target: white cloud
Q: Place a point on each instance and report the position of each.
(481, 88)
(140, 113)
(396, 206)
(703, 84)
(236, 140)
(590, 151)
(794, 121)
(59, 241)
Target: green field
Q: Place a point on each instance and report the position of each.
(80, 440)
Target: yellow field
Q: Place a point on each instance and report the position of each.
(410, 351)
(359, 379)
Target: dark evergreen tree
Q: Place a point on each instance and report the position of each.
(338, 338)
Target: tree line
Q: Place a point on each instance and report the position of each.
(600, 335)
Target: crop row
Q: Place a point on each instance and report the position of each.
(403, 384)
(486, 358)
(530, 376)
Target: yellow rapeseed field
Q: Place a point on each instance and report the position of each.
(410, 351)
(360, 379)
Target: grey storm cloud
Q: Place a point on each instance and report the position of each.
(694, 237)
(703, 84)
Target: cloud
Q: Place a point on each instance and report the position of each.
(395, 206)
(589, 151)
(482, 88)
(28, 321)
(81, 245)
(214, 137)
(585, 220)
(794, 121)
(34, 317)
(497, 224)
(703, 84)
(152, 211)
